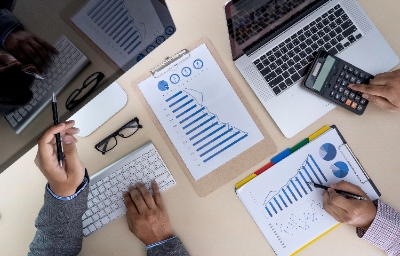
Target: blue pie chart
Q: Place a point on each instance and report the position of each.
(340, 169)
(327, 152)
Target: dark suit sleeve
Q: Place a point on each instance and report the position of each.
(8, 22)
(172, 247)
(59, 226)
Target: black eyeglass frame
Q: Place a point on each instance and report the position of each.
(117, 133)
(71, 102)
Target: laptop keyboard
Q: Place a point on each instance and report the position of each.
(286, 63)
(64, 67)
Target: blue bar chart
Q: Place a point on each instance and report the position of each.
(208, 135)
(296, 188)
(113, 18)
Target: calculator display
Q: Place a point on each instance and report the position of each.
(323, 74)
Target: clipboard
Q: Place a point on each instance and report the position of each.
(234, 167)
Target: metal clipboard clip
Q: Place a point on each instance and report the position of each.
(169, 63)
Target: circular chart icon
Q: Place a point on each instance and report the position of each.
(160, 39)
(198, 64)
(327, 152)
(150, 48)
(174, 78)
(340, 169)
(163, 85)
(169, 30)
(186, 71)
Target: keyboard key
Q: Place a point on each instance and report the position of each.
(295, 77)
(265, 71)
(270, 76)
(275, 81)
(303, 71)
(276, 90)
(333, 51)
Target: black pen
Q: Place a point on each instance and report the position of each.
(340, 192)
(60, 154)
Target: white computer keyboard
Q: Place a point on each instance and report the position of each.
(64, 67)
(105, 200)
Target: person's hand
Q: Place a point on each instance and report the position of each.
(147, 218)
(14, 86)
(383, 90)
(63, 181)
(358, 213)
(29, 48)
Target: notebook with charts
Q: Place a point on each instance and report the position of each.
(287, 210)
(203, 116)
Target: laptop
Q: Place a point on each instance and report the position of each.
(273, 43)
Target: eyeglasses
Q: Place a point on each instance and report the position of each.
(125, 131)
(90, 83)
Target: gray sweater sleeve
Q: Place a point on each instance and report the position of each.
(173, 247)
(8, 22)
(59, 226)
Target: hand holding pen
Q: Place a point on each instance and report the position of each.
(355, 212)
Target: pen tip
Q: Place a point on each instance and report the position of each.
(54, 97)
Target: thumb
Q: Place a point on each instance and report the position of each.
(73, 164)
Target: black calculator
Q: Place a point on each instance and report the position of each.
(330, 76)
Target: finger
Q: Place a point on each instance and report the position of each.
(33, 56)
(72, 131)
(327, 206)
(48, 135)
(30, 68)
(157, 194)
(381, 102)
(7, 58)
(148, 198)
(73, 164)
(349, 187)
(130, 206)
(41, 52)
(335, 203)
(372, 89)
(45, 44)
(138, 200)
(13, 67)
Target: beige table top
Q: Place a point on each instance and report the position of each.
(217, 224)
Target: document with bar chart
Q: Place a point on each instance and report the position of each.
(287, 209)
(126, 31)
(201, 113)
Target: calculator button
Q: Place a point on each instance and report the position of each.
(347, 77)
(359, 108)
(332, 94)
(357, 98)
(341, 89)
(358, 81)
(354, 105)
(356, 72)
(348, 102)
(335, 87)
(352, 94)
(363, 101)
(339, 80)
(362, 76)
(342, 74)
(346, 92)
(343, 99)
(337, 96)
(350, 70)
(344, 83)
(352, 80)
(345, 67)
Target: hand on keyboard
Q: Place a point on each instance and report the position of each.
(146, 215)
(29, 48)
(63, 181)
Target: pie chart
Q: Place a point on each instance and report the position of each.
(340, 169)
(327, 152)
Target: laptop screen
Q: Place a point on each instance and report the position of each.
(251, 20)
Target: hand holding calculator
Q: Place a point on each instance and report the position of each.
(330, 77)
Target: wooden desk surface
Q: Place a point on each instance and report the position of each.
(217, 224)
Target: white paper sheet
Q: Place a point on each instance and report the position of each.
(201, 113)
(122, 29)
(286, 209)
